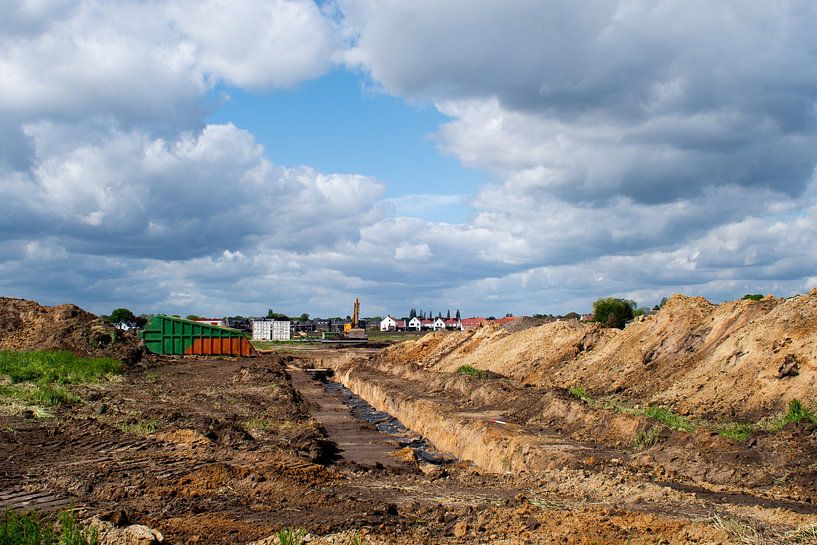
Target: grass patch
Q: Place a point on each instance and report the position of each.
(30, 529)
(796, 413)
(472, 371)
(141, 427)
(55, 367)
(647, 438)
(291, 536)
(668, 418)
(257, 423)
(580, 393)
(736, 431)
(32, 380)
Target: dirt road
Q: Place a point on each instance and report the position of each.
(214, 451)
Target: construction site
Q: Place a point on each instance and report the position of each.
(693, 425)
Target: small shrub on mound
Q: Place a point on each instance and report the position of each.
(472, 371)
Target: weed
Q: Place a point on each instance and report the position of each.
(797, 412)
(545, 504)
(735, 431)
(150, 376)
(142, 427)
(30, 529)
(472, 371)
(506, 464)
(668, 418)
(257, 423)
(580, 393)
(286, 425)
(291, 536)
(647, 438)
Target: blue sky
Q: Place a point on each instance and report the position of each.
(341, 122)
(526, 156)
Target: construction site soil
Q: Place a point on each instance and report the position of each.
(232, 450)
(26, 325)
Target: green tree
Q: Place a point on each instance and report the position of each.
(121, 315)
(458, 315)
(613, 312)
(753, 296)
(193, 317)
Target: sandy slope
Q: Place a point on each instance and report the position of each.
(698, 357)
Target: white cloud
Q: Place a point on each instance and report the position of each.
(635, 148)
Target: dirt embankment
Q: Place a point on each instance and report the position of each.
(26, 325)
(737, 359)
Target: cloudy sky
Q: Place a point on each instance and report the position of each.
(224, 157)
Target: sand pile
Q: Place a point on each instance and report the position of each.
(26, 325)
(737, 359)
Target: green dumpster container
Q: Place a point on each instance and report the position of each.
(171, 335)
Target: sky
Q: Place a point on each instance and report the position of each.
(524, 156)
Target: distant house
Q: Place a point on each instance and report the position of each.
(388, 324)
(211, 321)
(124, 325)
(472, 323)
(587, 317)
(321, 324)
(426, 324)
(439, 324)
(452, 323)
(271, 330)
(401, 325)
(415, 324)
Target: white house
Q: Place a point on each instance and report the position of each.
(439, 324)
(388, 324)
(270, 330)
(415, 324)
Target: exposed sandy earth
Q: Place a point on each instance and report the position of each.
(26, 325)
(741, 359)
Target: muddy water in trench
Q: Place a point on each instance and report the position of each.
(363, 435)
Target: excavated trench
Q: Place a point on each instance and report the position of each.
(363, 434)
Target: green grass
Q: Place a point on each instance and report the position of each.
(30, 529)
(647, 438)
(736, 431)
(55, 367)
(257, 423)
(39, 379)
(580, 393)
(472, 371)
(797, 412)
(141, 427)
(668, 418)
(291, 536)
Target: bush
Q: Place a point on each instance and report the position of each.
(753, 296)
(613, 312)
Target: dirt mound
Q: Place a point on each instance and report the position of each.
(26, 325)
(738, 359)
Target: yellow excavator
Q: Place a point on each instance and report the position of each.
(352, 330)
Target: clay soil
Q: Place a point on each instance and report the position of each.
(230, 451)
